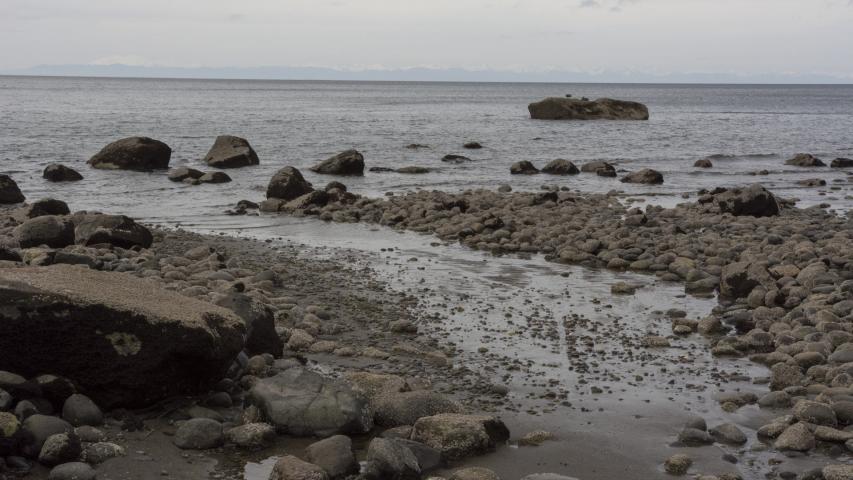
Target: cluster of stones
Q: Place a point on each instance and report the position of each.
(244, 403)
(785, 275)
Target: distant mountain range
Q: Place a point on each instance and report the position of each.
(418, 74)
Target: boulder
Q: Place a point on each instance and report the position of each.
(842, 163)
(703, 163)
(453, 158)
(472, 146)
(72, 471)
(289, 467)
(388, 459)
(35, 431)
(214, 177)
(122, 340)
(9, 191)
(798, 437)
(51, 230)
(198, 434)
(405, 408)
(523, 168)
(134, 153)
(415, 170)
(182, 173)
(261, 336)
(300, 402)
(563, 108)
(805, 160)
(474, 473)
(80, 410)
(646, 176)
(754, 200)
(100, 452)
(60, 448)
(253, 436)
(44, 206)
(350, 162)
(597, 167)
(56, 172)
(334, 455)
(560, 167)
(738, 279)
(287, 184)
(231, 152)
(458, 436)
(116, 230)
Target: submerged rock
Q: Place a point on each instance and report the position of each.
(560, 167)
(452, 158)
(231, 152)
(123, 340)
(599, 167)
(304, 403)
(182, 173)
(703, 163)
(287, 184)
(805, 160)
(133, 153)
(56, 172)
(646, 176)
(842, 163)
(523, 168)
(562, 108)
(214, 177)
(349, 162)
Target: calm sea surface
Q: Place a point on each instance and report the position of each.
(744, 128)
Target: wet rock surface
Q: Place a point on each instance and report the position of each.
(562, 108)
(133, 153)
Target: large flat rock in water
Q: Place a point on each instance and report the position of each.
(123, 340)
(564, 108)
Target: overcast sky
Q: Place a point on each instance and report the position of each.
(652, 36)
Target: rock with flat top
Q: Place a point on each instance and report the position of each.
(805, 160)
(562, 108)
(458, 436)
(122, 340)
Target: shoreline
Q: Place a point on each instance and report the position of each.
(635, 343)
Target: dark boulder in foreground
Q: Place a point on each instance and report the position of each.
(231, 152)
(350, 162)
(703, 163)
(842, 163)
(805, 160)
(287, 184)
(9, 191)
(182, 173)
(304, 403)
(134, 153)
(560, 167)
(122, 340)
(562, 108)
(523, 168)
(646, 176)
(116, 230)
(754, 200)
(56, 172)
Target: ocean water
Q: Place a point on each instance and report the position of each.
(744, 128)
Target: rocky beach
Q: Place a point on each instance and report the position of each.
(484, 333)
